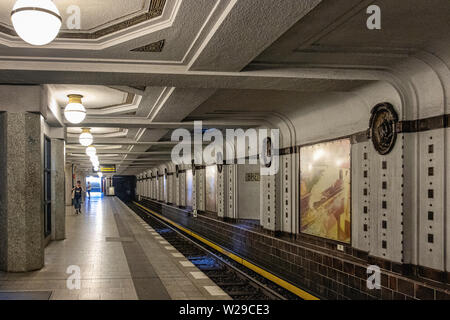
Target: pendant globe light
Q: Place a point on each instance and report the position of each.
(95, 161)
(86, 137)
(37, 22)
(91, 151)
(75, 111)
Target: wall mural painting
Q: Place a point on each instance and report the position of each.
(211, 188)
(189, 179)
(325, 190)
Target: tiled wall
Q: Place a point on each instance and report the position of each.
(314, 264)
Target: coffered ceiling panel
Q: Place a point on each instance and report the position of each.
(335, 33)
(94, 97)
(97, 17)
(147, 31)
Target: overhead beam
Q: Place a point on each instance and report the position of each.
(116, 141)
(133, 122)
(105, 152)
(35, 70)
(120, 160)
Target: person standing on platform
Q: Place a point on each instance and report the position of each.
(77, 194)
(88, 189)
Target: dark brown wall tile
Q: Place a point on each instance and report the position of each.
(441, 295)
(330, 274)
(424, 293)
(349, 268)
(405, 287)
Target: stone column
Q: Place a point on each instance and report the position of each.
(201, 191)
(231, 191)
(21, 192)
(270, 214)
(68, 184)
(58, 185)
(221, 199)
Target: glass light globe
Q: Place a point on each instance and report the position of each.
(86, 137)
(95, 162)
(75, 111)
(95, 168)
(91, 151)
(36, 21)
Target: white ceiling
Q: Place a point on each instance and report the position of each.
(94, 13)
(220, 56)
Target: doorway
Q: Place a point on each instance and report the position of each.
(96, 187)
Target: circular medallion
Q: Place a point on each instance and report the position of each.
(383, 128)
(267, 152)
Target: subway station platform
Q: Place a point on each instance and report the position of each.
(119, 257)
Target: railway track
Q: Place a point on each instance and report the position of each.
(238, 282)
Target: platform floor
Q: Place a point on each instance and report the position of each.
(119, 257)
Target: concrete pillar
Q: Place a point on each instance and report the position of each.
(201, 190)
(270, 215)
(231, 191)
(221, 190)
(21, 192)
(68, 183)
(58, 185)
(182, 186)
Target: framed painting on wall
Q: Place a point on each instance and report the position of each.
(325, 190)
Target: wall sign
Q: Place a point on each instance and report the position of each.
(252, 177)
(383, 128)
(107, 168)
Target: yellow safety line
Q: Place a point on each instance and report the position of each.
(288, 286)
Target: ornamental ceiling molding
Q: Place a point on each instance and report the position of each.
(152, 47)
(132, 104)
(155, 10)
(155, 20)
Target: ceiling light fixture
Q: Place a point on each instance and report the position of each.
(75, 111)
(36, 21)
(91, 151)
(94, 159)
(95, 162)
(86, 137)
